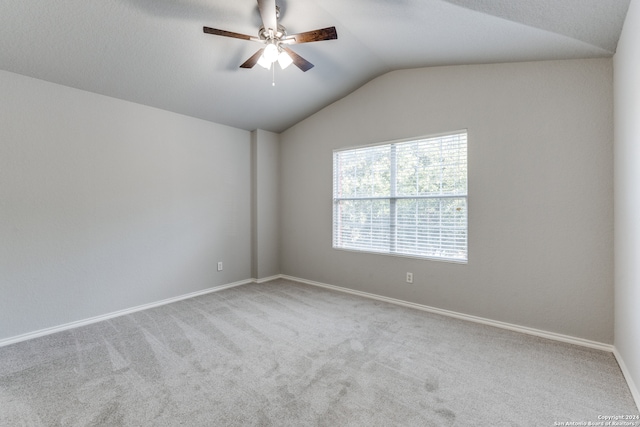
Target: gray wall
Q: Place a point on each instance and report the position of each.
(627, 196)
(107, 205)
(540, 191)
(265, 214)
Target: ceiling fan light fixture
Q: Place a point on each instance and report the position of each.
(284, 60)
(271, 53)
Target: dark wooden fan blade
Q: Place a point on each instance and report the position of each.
(249, 63)
(268, 14)
(224, 33)
(300, 62)
(328, 33)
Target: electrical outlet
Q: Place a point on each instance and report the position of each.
(219, 265)
(409, 277)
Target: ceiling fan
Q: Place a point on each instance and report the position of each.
(276, 40)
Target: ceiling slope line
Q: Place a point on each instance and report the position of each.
(502, 14)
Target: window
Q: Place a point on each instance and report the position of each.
(403, 198)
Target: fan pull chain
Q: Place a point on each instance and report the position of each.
(273, 68)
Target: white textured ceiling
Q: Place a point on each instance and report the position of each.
(154, 52)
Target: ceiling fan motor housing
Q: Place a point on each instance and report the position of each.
(268, 35)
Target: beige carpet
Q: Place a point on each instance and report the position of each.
(287, 354)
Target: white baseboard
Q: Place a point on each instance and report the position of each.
(84, 322)
(489, 322)
(522, 329)
(268, 279)
(627, 375)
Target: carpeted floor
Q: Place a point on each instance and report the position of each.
(287, 354)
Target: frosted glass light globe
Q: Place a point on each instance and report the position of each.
(271, 53)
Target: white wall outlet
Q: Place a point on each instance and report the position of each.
(219, 265)
(409, 277)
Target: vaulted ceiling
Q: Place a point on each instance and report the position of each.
(154, 52)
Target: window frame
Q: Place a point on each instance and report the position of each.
(393, 199)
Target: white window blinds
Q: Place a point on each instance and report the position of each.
(404, 198)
